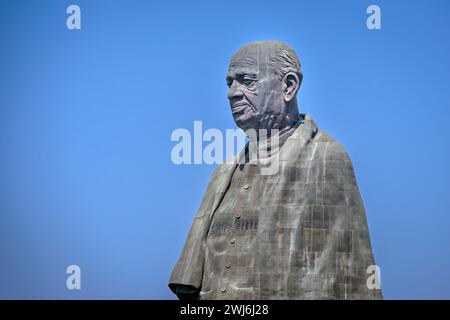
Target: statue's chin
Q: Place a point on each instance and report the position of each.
(246, 122)
(245, 125)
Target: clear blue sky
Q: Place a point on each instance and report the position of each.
(86, 118)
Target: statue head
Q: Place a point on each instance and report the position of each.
(263, 80)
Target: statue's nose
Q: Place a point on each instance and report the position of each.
(234, 93)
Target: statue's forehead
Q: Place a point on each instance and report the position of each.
(250, 62)
(251, 58)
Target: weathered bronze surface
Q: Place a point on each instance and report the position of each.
(298, 233)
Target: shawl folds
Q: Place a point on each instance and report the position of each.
(315, 221)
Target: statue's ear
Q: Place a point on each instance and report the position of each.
(291, 85)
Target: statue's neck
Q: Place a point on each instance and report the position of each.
(271, 140)
(279, 129)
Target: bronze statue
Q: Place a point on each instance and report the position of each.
(298, 233)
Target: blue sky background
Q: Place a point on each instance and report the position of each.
(86, 117)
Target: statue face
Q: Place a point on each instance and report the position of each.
(255, 92)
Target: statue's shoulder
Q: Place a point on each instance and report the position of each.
(324, 136)
(334, 150)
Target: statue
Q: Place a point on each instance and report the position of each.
(297, 233)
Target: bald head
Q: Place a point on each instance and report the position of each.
(277, 56)
(263, 80)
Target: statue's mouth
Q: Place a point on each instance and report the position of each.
(239, 107)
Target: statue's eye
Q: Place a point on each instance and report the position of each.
(247, 81)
